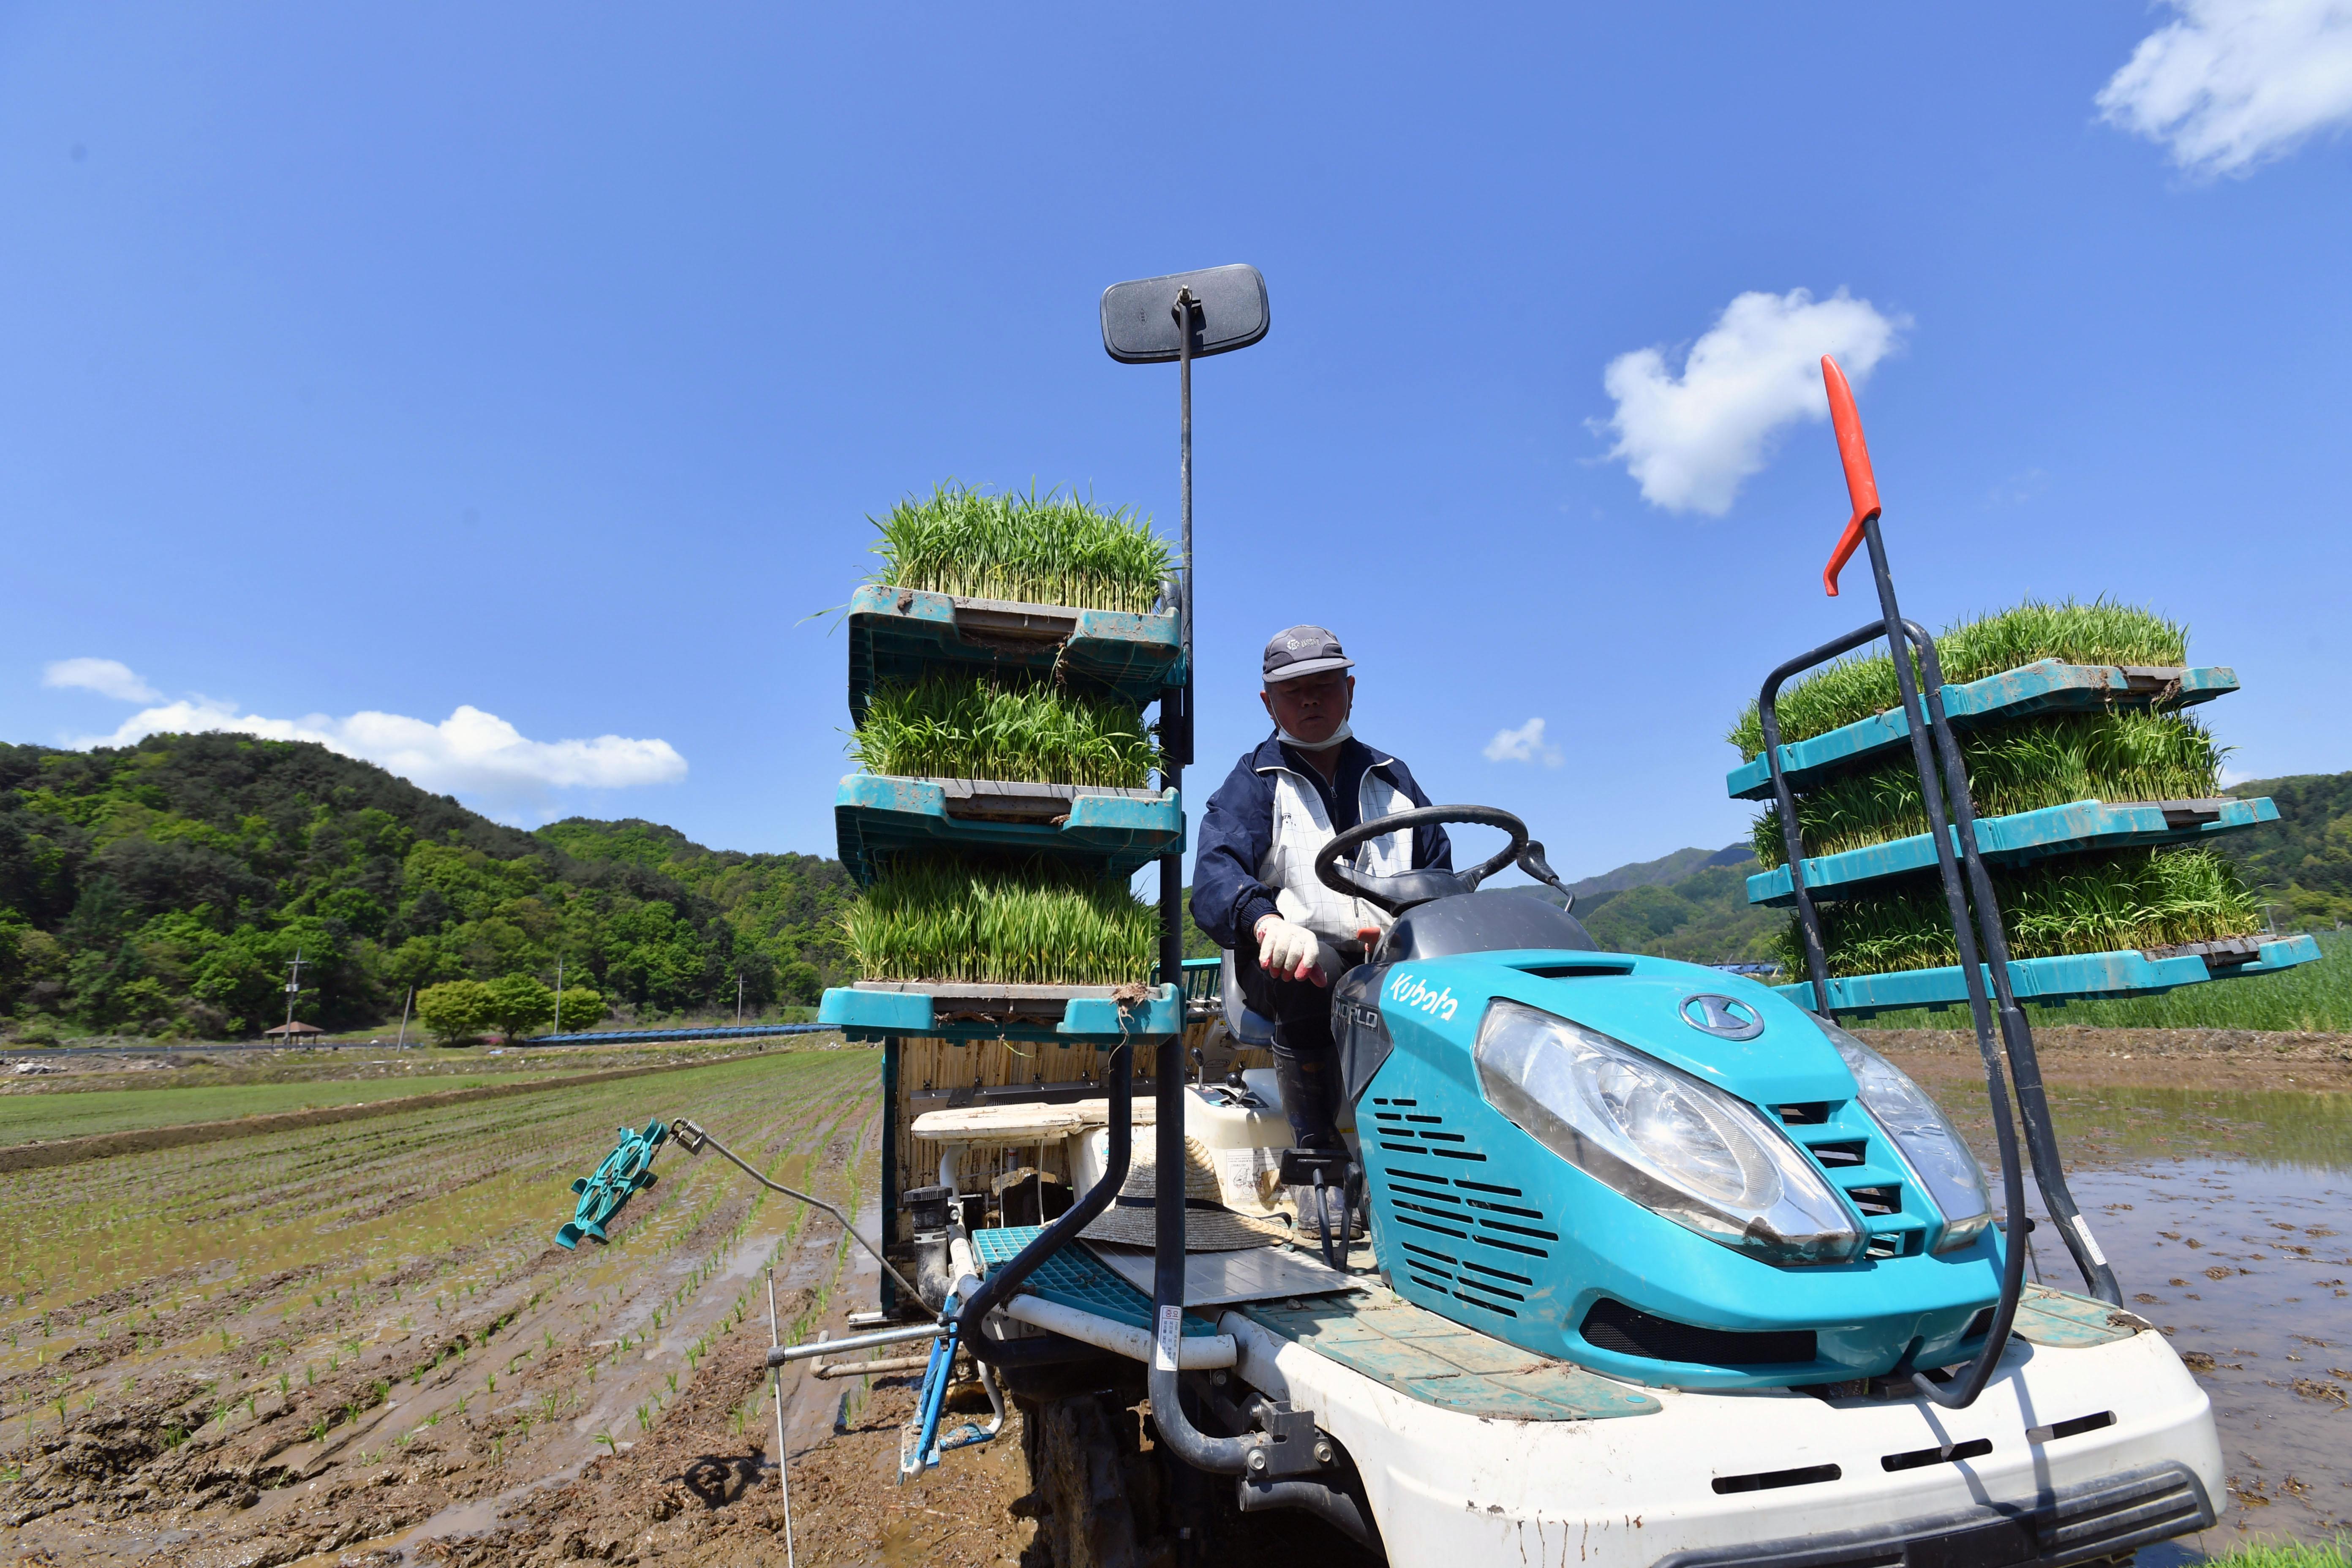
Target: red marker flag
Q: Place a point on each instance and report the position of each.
(1861, 486)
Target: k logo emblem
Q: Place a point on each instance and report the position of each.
(1723, 1017)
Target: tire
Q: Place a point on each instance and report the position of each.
(1079, 1467)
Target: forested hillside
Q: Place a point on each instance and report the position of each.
(162, 888)
(2303, 859)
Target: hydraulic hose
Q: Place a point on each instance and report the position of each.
(1219, 1455)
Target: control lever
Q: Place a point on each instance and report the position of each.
(1532, 861)
(1327, 1171)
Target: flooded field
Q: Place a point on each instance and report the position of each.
(2228, 1220)
(355, 1345)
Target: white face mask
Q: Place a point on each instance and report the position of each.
(1338, 735)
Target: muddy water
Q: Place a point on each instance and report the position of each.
(2228, 1220)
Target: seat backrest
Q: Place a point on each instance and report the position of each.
(1242, 1024)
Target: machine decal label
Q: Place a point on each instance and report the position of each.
(1408, 991)
(1171, 1333)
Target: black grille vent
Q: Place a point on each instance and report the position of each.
(1402, 1127)
(1475, 1241)
(1614, 1326)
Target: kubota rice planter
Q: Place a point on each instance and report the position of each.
(1664, 1268)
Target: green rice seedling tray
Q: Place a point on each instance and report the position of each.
(1113, 831)
(2070, 977)
(968, 1010)
(2025, 836)
(904, 633)
(1073, 1277)
(2045, 685)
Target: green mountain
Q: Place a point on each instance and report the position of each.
(2304, 861)
(163, 888)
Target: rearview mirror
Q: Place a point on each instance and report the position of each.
(1138, 319)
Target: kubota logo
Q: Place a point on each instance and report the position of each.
(1407, 991)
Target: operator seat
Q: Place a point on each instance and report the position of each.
(1246, 1027)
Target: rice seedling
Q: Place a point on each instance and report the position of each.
(2023, 765)
(2101, 632)
(928, 920)
(2084, 904)
(1053, 549)
(969, 726)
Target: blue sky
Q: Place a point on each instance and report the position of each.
(361, 366)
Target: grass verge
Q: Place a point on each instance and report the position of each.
(1053, 549)
(926, 920)
(969, 726)
(2336, 1553)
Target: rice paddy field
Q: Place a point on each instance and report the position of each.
(359, 1337)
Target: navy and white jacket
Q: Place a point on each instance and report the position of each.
(1274, 812)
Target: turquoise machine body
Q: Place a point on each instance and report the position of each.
(1473, 1218)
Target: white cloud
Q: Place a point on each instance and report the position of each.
(2233, 83)
(1524, 744)
(107, 677)
(1690, 440)
(469, 752)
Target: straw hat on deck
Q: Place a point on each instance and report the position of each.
(1132, 1218)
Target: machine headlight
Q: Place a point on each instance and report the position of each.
(1926, 1138)
(1678, 1147)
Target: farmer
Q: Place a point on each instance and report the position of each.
(1254, 885)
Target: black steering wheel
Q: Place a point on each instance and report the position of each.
(1408, 889)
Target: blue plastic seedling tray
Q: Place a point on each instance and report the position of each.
(2045, 686)
(2017, 839)
(958, 1010)
(1113, 831)
(1073, 1277)
(2072, 977)
(904, 633)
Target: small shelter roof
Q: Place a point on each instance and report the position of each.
(291, 1030)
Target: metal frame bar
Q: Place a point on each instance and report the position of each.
(1947, 805)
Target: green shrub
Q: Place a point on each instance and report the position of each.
(1052, 549)
(1857, 687)
(1037, 924)
(2078, 903)
(969, 727)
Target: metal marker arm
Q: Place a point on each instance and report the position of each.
(691, 1138)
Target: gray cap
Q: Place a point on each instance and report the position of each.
(1303, 650)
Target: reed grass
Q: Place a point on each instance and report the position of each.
(2023, 765)
(2082, 903)
(1855, 688)
(1053, 549)
(969, 727)
(1032, 925)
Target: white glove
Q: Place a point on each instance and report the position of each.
(1290, 951)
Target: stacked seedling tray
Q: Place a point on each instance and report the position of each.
(1005, 800)
(2096, 797)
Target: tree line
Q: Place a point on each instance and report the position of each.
(164, 889)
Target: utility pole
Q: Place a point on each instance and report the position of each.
(405, 1003)
(738, 999)
(293, 988)
(559, 993)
